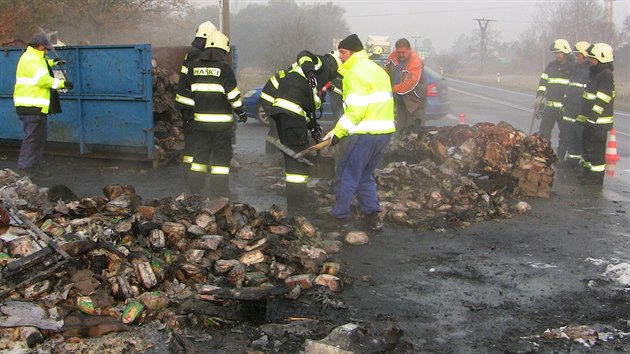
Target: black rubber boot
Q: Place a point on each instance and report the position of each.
(196, 182)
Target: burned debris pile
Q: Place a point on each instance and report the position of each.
(96, 265)
(451, 176)
(167, 120)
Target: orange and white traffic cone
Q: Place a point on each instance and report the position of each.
(611, 148)
(610, 168)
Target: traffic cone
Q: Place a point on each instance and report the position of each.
(610, 168)
(611, 148)
(462, 118)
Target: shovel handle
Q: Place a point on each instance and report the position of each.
(316, 147)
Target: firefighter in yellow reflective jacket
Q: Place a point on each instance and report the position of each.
(368, 120)
(553, 85)
(597, 112)
(295, 102)
(35, 97)
(185, 104)
(214, 93)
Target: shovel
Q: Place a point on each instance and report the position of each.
(324, 166)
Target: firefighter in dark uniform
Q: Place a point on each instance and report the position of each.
(597, 112)
(553, 85)
(571, 131)
(295, 102)
(185, 104)
(213, 89)
(309, 63)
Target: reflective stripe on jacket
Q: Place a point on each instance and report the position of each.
(367, 94)
(213, 90)
(554, 81)
(599, 96)
(33, 81)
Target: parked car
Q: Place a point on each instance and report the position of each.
(438, 104)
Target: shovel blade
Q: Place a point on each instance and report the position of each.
(323, 167)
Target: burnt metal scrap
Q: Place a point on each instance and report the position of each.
(105, 263)
(452, 176)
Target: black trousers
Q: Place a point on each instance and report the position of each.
(212, 155)
(293, 133)
(550, 117)
(594, 145)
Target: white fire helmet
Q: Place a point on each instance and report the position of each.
(218, 40)
(581, 47)
(601, 51)
(560, 45)
(205, 30)
(335, 55)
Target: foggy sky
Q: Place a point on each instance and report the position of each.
(442, 21)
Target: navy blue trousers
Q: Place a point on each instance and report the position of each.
(355, 174)
(35, 135)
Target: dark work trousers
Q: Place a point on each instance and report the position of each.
(355, 174)
(594, 144)
(213, 152)
(550, 117)
(572, 134)
(404, 118)
(293, 133)
(35, 135)
(189, 142)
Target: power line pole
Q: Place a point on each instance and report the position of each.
(415, 42)
(224, 26)
(483, 26)
(610, 21)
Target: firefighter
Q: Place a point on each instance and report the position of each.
(185, 104)
(35, 97)
(295, 102)
(214, 94)
(308, 62)
(552, 87)
(571, 131)
(368, 120)
(597, 112)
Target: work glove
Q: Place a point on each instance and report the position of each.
(242, 117)
(316, 133)
(537, 102)
(68, 85)
(312, 79)
(332, 138)
(59, 61)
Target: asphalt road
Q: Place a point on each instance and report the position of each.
(494, 287)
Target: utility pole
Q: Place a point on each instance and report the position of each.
(483, 26)
(415, 43)
(224, 25)
(610, 21)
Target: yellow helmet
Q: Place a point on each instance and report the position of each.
(560, 45)
(205, 30)
(218, 40)
(581, 47)
(600, 51)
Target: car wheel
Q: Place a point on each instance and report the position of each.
(262, 115)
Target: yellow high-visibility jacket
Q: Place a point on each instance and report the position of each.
(367, 96)
(33, 81)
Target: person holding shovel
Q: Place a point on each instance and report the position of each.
(295, 102)
(368, 121)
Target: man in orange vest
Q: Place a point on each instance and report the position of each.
(404, 67)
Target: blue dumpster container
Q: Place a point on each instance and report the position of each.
(108, 111)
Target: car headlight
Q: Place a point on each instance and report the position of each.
(249, 93)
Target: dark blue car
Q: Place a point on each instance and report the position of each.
(438, 104)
